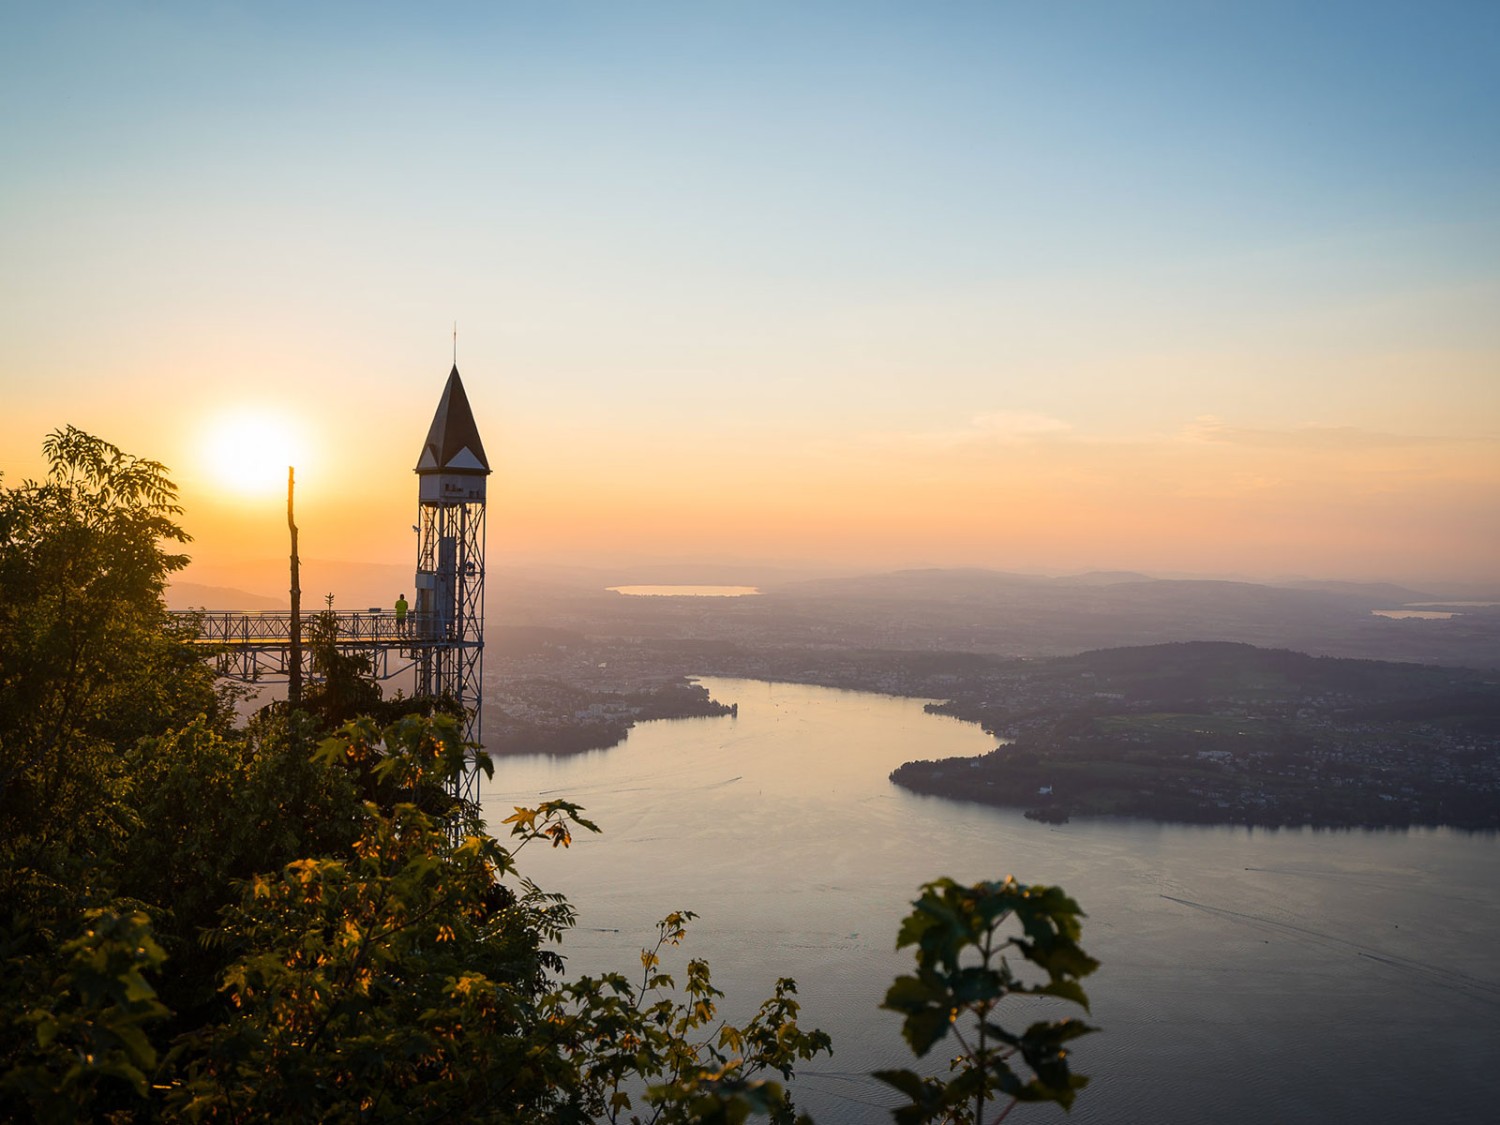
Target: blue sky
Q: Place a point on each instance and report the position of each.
(772, 247)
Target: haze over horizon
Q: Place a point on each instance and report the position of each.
(1158, 287)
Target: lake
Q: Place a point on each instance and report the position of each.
(1248, 976)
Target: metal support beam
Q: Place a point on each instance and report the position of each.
(257, 647)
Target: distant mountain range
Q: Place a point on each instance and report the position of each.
(937, 610)
(946, 583)
(193, 595)
(1008, 614)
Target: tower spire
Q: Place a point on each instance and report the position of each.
(453, 444)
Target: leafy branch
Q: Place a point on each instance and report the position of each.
(962, 976)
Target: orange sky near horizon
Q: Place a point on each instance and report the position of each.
(1017, 495)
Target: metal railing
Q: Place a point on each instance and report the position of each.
(256, 645)
(272, 628)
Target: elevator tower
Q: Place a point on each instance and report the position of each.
(447, 627)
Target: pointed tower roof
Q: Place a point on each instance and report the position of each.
(453, 444)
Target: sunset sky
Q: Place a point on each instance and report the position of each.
(1181, 287)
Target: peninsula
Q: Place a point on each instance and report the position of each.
(1228, 733)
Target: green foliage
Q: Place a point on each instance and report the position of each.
(388, 985)
(87, 649)
(622, 1037)
(963, 974)
(89, 659)
(548, 821)
(212, 810)
(412, 759)
(90, 1046)
(343, 686)
(90, 662)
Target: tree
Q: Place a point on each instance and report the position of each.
(86, 639)
(90, 1041)
(89, 662)
(385, 981)
(210, 810)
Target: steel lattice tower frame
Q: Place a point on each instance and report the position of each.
(447, 627)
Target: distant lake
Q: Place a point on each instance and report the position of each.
(1431, 611)
(1249, 976)
(685, 591)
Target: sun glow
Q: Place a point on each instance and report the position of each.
(248, 452)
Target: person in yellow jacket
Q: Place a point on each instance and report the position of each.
(401, 608)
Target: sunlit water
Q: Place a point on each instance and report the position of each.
(1248, 977)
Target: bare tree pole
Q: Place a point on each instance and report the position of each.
(294, 685)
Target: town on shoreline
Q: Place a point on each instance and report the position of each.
(1197, 732)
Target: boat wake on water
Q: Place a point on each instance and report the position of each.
(1451, 977)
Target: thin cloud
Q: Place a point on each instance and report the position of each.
(999, 427)
(1017, 425)
(1209, 428)
(1233, 487)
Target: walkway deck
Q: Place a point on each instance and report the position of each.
(256, 645)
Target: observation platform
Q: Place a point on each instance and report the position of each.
(256, 646)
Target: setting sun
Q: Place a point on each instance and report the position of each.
(248, 452)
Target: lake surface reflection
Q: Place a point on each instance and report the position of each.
(1248, 976)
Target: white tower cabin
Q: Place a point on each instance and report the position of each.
(447, 635)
